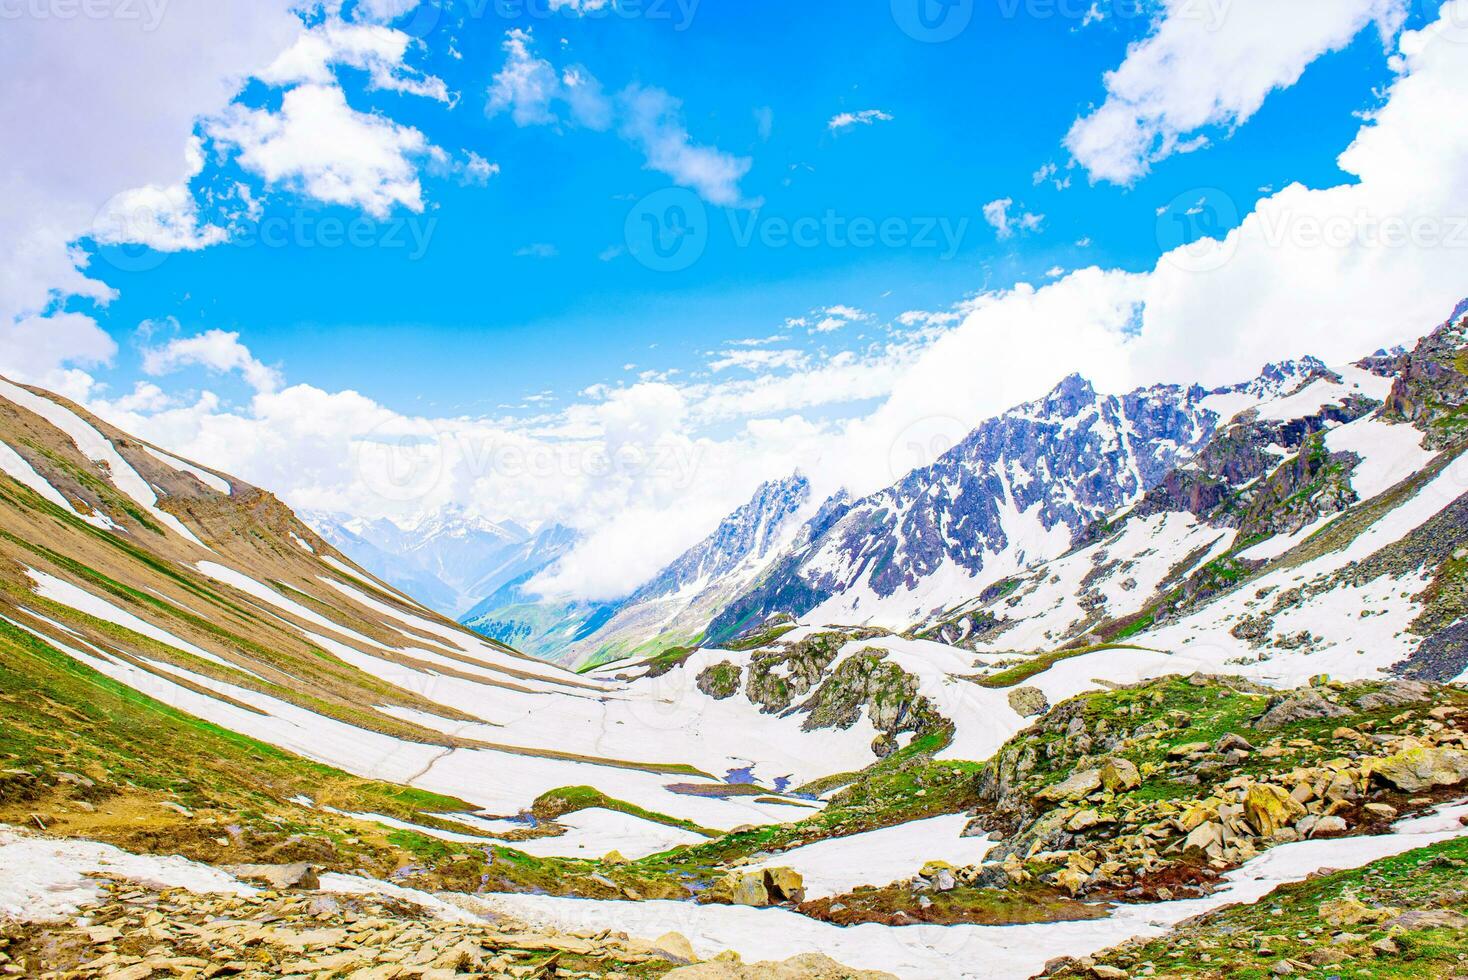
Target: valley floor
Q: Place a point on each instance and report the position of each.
(91, 910)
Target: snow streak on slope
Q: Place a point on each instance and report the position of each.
(100, 449)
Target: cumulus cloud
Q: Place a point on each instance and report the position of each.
(379, 51)
(319, 146)
(1206, 66)
(115, 118)
(217, 350)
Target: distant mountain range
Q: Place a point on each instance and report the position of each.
(954, 550)
(449, 561)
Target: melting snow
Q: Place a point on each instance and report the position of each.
(42, 878)
(926, 952)
(879, 857)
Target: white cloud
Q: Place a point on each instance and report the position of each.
(1005, 225)
(581, 7)
(1337, 271)
(652, 119)
(758, 359)
(526, 86)
(865, 117)
(478, 170)
(538, 250)
(379, 51)
(217, 350)
(321, 147)
(115, 115)
(1205, 66)
(39, 348)
(1049, 172)
(162, 218)
(535, 93)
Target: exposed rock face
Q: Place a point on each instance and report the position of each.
(1395, 695)
(803, 676)
(1247, 455)
(1431, 389)
(1062, 461)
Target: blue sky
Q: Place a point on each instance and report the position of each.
(613, 263)
(472, 324)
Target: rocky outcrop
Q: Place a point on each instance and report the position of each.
(720, 681)
(1431, 388)
(760, 888)
(1109, 792)
(1286, 709)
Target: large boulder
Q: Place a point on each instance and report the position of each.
(1420, 769)
(1285, 709)
(1077, 786)
(1395, 694)
(785, 885)
(1120, 775)
(720, 681)
(760, 888)
(1028, 701)
(1269, 809)
(281, 877)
